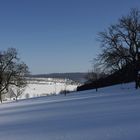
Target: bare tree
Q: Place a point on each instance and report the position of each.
(91, 76)
(12, 71)
(95, 73)
(10, 94)
(121, 43)
(18, 92)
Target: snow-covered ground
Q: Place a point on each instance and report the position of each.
(46, 86)
(35, 90)
(112, 113)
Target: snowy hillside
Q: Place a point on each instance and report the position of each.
(112, 113)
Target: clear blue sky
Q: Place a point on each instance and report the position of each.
(58, 35)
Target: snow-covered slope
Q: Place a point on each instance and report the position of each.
(112, 113)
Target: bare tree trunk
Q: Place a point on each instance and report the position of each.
(16, 98)
(0, 98)
(137, 80)
(136, 83)
(136, 77)
(96, 89)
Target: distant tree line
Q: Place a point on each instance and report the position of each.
(77, 77)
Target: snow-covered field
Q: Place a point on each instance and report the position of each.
(112, 113)
(46, 86)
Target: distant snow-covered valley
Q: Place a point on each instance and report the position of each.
(47, 86)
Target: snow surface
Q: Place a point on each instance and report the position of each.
(112, 113)
(35, 90)
(46, 86)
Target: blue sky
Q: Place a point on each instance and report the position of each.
(58, 35)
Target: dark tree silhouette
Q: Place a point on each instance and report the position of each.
(121, 44)
(12, 71)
